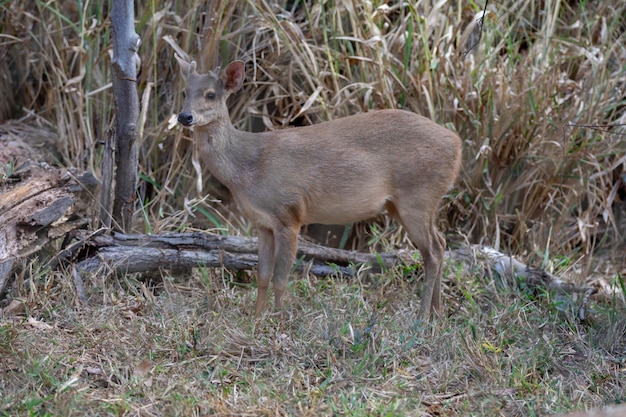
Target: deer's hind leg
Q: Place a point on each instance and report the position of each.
(418, 217)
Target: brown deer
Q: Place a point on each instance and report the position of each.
(337, 172)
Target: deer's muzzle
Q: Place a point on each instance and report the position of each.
(185, 119)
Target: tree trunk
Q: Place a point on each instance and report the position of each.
(124, 65)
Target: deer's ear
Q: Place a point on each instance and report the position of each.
(186, 68)
(233, 76)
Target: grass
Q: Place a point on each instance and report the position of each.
(534, 176)
(537, 182)
(189, 346)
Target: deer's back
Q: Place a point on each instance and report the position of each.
(347, 169)
(378, 143)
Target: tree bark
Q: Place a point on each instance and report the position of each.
(39, 204)
(124, 67)
(240, 244)
(183, 251)
(108, 157)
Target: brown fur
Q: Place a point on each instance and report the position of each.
(337, 172)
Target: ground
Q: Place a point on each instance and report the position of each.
(188, 346)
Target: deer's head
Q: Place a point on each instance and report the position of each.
(206, 94)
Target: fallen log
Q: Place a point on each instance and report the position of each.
(240, 244)
(124, 253)
(514, 274)
(182, 251)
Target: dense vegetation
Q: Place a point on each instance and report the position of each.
(540, 102)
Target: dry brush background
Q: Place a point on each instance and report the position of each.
(540, 102)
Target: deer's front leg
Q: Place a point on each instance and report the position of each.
(286, 245)
(265, 268)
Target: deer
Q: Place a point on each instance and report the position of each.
(337, 172)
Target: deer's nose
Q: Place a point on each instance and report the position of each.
(185, 119)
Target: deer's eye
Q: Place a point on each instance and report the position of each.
(210, 95)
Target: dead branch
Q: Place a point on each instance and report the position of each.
(514, 273)
(183, 251)
(239, 244)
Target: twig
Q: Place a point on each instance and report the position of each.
(441, 399)
(80, 287)
(601, 128)
(481, 21)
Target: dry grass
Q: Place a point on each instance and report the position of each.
(187, 346)
(534, 182)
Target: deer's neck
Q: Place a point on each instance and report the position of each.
(230, 154)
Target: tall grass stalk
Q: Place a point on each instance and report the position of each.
(533, 177)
